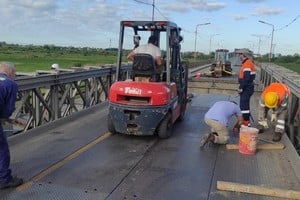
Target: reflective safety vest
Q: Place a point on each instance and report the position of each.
(282, 91)
(247, 73)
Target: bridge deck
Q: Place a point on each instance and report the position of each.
(76, 158)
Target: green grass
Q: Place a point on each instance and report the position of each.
(32, 62)
(32, 58)
(29, 60)
(292, 66)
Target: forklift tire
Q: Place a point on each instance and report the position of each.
(165, 128)
(110, 125)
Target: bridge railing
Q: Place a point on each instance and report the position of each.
(274, 73)
(45, 96)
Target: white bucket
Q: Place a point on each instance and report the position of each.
(248, 140)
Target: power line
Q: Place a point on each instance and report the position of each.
(154, 6)
(288, 23)
(142, 2)
(161, 13)
(185, 30)
(148, 4)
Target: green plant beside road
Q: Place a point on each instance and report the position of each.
(32, 58)
(288, 61)
(291, 66)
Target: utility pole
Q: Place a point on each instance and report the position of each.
(195, 50)
(153, 6)
(210, 38)
(271, 46)
(259, 41)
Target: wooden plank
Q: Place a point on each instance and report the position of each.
(259, 146)
(259, 190)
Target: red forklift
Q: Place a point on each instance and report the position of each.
(151, 107)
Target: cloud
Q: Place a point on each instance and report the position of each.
(238, 16)
(188, 5)
(207, 5)
(251, 1)
(58, 21)
(176, 7)
(258, 11)
(263, 10)
(33, 4)
(22, 11)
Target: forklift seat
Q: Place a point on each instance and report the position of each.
(143, 66)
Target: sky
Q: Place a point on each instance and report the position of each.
(95, 23)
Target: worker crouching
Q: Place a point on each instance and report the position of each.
(273, 98)
(217, 118)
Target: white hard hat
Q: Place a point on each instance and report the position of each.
(55, 66)
(244, 51)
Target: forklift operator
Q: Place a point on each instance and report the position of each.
(149, 48)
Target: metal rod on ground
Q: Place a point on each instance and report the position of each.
(267, 141)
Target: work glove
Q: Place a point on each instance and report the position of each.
(239, 90)
(273, 117)
(264, 123)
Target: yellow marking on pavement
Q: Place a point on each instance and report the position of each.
(62, 162)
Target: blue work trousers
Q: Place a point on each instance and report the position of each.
(5, 172)
(245, 101)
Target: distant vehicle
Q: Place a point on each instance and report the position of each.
(221, 65)
(139, 103)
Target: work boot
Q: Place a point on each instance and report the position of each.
(260, 128)
(13, 183)
(277, 136)
(208, 137)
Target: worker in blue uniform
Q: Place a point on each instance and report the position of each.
(246, 85)
(8, 93)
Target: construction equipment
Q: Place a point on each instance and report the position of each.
(137, 104)
(221, 65)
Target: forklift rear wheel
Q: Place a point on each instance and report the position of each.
(165, 128)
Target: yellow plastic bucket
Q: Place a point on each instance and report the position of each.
(248, 140)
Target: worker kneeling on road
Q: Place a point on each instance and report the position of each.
(274, 97)
(217, 118)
